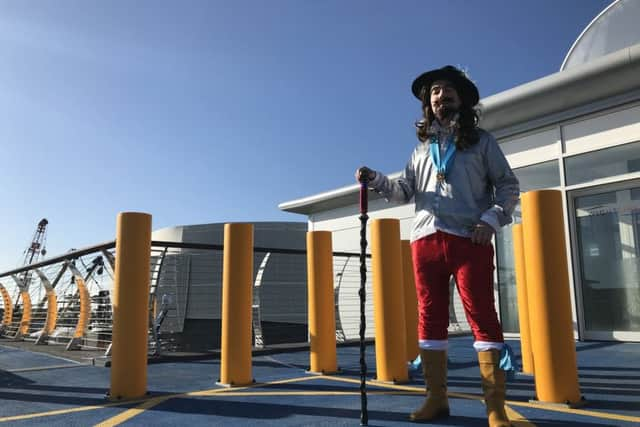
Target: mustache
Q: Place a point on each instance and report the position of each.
(444, 101)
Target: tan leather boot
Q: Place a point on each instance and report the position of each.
(493, 386)
(434, 368)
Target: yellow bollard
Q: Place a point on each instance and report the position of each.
(85, 307)
(237, 292)
(322, 319)
(523, 301)
(388, 301)
(52, 312)
(553, 346)
(25, 321)
(410, 302)
(7, 306)
(130, 306)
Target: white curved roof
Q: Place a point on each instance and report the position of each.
(616, 27)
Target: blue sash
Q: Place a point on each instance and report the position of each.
(442, 166)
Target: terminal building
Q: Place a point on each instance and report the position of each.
(576, 131)
(190, 281)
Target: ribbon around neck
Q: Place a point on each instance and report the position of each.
(444, 164)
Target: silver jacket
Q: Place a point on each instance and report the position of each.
(480, 185)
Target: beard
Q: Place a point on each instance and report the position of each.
(445, 111)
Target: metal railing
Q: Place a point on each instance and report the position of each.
(63, 300)
(68, 299)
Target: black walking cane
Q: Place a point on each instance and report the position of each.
(364, 181)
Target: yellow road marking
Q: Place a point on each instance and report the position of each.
(232, 389)
(46, 368)
(516, 418)
(65, 411)
(147, 403)
(312, 393)
(130, 413)
(50, 413)
(583, 412)
(410, 388)
(142, 400)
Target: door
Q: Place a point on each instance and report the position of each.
(605, 223)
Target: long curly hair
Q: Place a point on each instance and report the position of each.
(466, 133)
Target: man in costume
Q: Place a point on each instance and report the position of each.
(464, 191)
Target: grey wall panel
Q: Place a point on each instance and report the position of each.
(347, 277)
(283, 235)
(198, 278)
(203, 233)
(205, 285)
(173, 282)
(284, 289)
(204, 301)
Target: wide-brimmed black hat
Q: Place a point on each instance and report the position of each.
(467, 90)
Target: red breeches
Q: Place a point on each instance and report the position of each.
(435, 259)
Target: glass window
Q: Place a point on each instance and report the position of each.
(534, 177)
(608, 229)
(507, 281)
(603, 163)
(541, 175)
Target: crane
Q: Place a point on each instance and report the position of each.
(35, 249)
(32, 253)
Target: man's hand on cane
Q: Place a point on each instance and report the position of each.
(482, 233)
(365, 172)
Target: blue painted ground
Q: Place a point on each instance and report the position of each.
(39, 389)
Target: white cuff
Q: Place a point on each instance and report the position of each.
(491, 217)
(487, 345)
(441, 345)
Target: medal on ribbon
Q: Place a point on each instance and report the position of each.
(445, 164)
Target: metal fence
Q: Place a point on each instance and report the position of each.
(67, 300)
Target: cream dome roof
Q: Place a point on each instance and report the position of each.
(616, 27)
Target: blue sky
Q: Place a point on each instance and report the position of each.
(217, 111)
